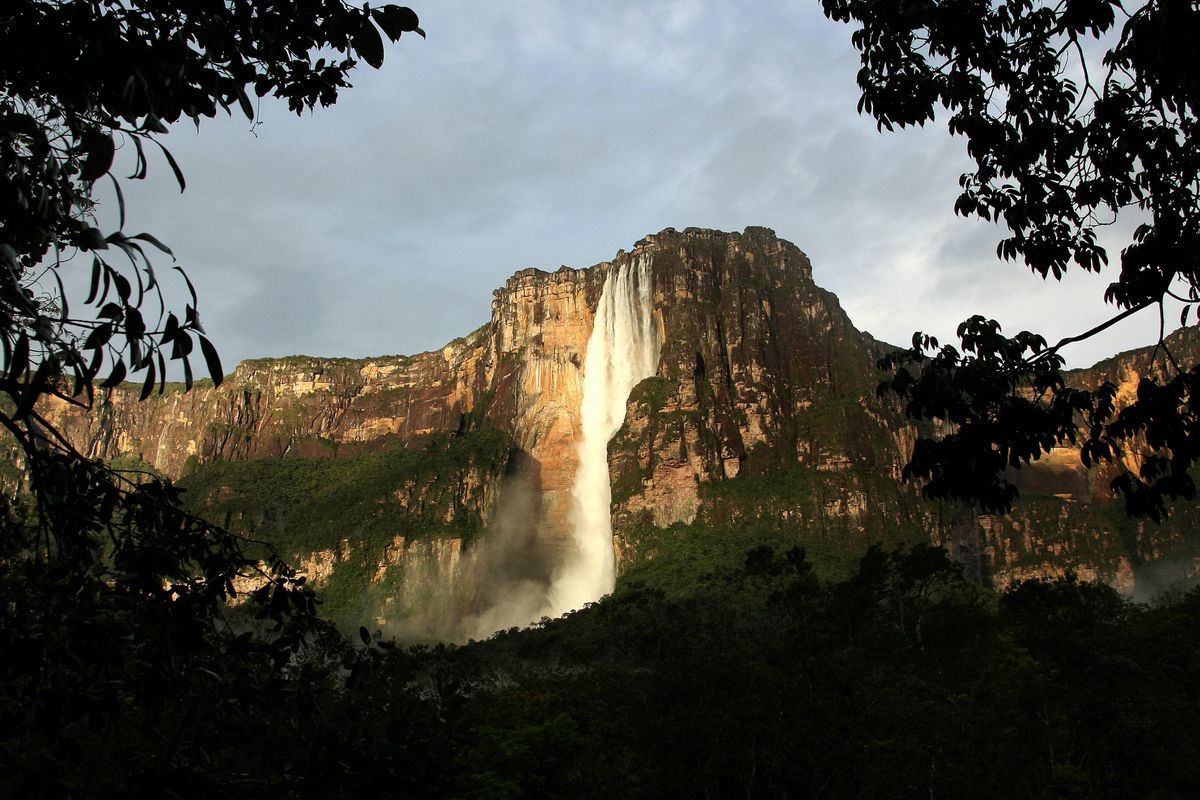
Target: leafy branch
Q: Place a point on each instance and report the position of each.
(1054, 162)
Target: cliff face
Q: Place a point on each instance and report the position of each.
(760, 370)
(519, 374)
(762, 417)
(1067, 519)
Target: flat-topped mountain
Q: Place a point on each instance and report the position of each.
(447, 491)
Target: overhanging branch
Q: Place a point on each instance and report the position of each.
(1103, 326)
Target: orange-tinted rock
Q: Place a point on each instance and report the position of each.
(761, 372)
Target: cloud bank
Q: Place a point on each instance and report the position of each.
(538, 133)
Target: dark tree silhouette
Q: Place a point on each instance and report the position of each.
(121, 650)
(1063, 142)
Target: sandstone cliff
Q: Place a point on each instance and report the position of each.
(762, 420)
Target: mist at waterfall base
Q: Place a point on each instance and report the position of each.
(501, 580)
(512, 576)
(509, 572)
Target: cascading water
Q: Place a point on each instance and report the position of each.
(623, 349)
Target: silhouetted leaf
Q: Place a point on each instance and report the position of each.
(244, 102)
(395, 20)
(64, 311)
(20, 358)
(37, 386)
(368, 43)
(99, 336)
(100, 149)
(212, 360)
(124, 290)
(174, 166)
(116, 184)
(148, 383)
(154, 125)
(181, 345)
(145, 237)
(188, 281)
(139, 167)
(116, 376)
(92, 239)
(162, 370)
(170, 329)
(135, 324)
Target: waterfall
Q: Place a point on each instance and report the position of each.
(623, 349)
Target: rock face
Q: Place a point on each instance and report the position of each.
(762, 412)
(520, 373)
(760, 370)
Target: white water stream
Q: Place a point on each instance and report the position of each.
(623, 349)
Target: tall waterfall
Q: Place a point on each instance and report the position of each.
(623, 349)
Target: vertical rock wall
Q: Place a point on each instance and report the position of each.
(761, 375)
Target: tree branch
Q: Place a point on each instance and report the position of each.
(1103, 326)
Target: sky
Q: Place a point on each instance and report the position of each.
(536, 134)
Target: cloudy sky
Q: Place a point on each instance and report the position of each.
(536, 134)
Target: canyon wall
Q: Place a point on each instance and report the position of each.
(760, 418)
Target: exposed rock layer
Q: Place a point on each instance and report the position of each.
(762, 375)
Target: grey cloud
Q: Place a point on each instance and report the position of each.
(535, 134)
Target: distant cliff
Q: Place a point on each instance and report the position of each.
(761, 420)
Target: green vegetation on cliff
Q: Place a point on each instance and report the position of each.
(301, 505)
(352, 513)
(827, 513)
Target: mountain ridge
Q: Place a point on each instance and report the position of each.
(761, 420)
